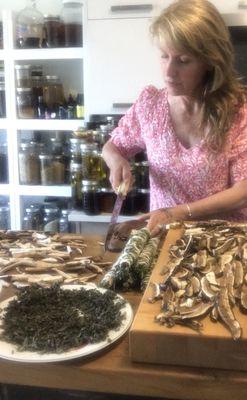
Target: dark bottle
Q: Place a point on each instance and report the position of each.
(90, 197)
(80, 106)
(71, 107)
(41, 108)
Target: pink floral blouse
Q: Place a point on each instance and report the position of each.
(180, 175)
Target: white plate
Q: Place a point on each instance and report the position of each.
(9, 351)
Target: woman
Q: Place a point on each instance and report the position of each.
(194, 129)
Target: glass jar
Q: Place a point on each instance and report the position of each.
(4, 170)
(36, 70)
(37, 86)
(52, 169)
(29, 165)
(107, 200)
(130, 204)
(90, 197)
(75, 149)
(32, 219)
(64, 221)
(76, 185)
(4, 217)
(2, 101)
(105, 174)
(53, 92)
(25, 107)
(142, 175)
(71, 15)
(54, 31)
(51, 219)
(91, 161)
(23, 75)
(143, 200)
(29, 27)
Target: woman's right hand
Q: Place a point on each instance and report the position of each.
(120, 170)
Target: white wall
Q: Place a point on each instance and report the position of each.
(45, 6)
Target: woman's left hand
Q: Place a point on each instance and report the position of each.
(157, 219)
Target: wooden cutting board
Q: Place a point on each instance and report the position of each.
(154, 343)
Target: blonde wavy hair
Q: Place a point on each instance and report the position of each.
(196, 27)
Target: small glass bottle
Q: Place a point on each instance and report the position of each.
(80, 106)
(32, 219)
(41, 108)
(64, 221)
(71, 15)
(76, 185)
(90, 197)
(29, 27)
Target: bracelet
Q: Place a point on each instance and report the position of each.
(189, 210)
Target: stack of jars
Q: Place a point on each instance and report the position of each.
(4, 213)
(47, 217)
(40, 164)
(4, 170)
(34, 30)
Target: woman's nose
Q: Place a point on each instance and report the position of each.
(171, 69)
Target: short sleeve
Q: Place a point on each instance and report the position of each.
(238, 152)
(128, 136)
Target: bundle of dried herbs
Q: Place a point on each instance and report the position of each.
(53, 320)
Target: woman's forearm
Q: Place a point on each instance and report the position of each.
(219, 203)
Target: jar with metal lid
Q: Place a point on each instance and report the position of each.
(90, 197)
(64, 221)
(29, 27)
(130, 204)
(91, 161)
(51, 219)
(4, 217)
(4, 170)
(107, 200)
(53, 92)
(29, 165)
(2, 100)
(52, 169)
(54, 31)
(32, 219)
(25, 107)
(23, 75)
(75, 149)
(76, 184)
(71, 15)
(142, 175)
(144, 200)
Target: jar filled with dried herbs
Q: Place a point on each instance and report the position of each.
(51, 219)
(52, 169)
(90, 197)
(76, 184)
(29, 165)
(91, 161)
(32, 219)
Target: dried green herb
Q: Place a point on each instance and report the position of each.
(53, 320)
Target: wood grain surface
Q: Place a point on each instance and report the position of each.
(180, 345)
(112, 371)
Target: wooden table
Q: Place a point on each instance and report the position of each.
(113, 372)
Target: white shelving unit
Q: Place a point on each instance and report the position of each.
(73, 57)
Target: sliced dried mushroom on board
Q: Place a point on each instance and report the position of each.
(206, 274)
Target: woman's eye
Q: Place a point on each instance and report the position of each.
(184, 60)
(164, 56)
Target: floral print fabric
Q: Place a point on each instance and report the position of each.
(180, 175)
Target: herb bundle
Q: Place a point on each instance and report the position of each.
(53, 320)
